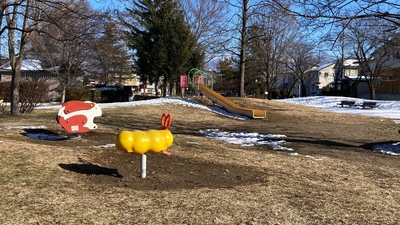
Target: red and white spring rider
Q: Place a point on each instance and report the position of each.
(77, 116)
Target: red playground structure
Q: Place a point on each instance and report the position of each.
(77, 116)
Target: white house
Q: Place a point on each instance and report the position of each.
(317, 78)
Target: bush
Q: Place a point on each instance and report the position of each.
(31, 94)
(112, 96)
(5, 95)
(5, 91)
(83, 94)
(275, 94)
(143, 97)
(285, 93)
(100, 94)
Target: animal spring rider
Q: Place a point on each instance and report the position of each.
(152, 141)
(77, 116)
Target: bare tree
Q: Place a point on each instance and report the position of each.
(270, 37)
(206, 17)
(234, 35)
(63, 41)
(372, 48)
(3, 5)
(323, 13)
(109, 59)
(18, 38)
(303, 59)
(24, 18)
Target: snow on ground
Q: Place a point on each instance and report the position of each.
(384, 109)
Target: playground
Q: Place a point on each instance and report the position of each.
(335, 178)
(203, 83)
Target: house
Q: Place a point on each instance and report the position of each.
(32, 70)
(324, 76)
(387, 60)
(362, 87)
(130, 82)
(316, 79)
(138, 87)
(348, 73)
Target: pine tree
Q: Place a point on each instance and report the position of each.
(160, 38)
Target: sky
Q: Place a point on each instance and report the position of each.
(104, 4)
(384, 109)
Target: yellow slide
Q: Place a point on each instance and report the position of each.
(229, 105)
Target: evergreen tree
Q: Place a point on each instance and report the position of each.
(229, 73)
(160, 39)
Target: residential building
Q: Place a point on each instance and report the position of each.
(347, 74)
(388, 59)
(316, 79)
(32, 70)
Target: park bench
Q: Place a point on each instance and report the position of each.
(368, 105)
(347, 103)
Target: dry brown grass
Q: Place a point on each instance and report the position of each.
(211, 182)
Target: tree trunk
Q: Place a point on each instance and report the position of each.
(63, 92)
(243, 41)
(372, 95)
(303, 91)
(16, 63)
(173, 89)
(14, 101)
(155, 88)
(164, 89)
(16, 58)
(354, 89)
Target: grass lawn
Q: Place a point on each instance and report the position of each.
(210, 182)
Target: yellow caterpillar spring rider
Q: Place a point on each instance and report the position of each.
(140, 142)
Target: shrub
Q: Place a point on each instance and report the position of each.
(5, 91)
(5, 95)
(112, 95)
(143, 97)
(100, 94)
(275, 94)
(31, 94)
(82, 94)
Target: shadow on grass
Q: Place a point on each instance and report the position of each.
(327, 143)
(90, 169)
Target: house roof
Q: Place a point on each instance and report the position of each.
(27, 64)
(323, 66)
(350, 62)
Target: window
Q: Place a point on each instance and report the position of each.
(326, 74)
(397, 54)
